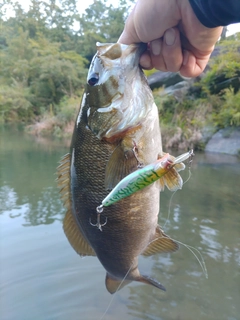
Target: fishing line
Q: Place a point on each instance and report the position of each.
(200, 261)
(191, 249)
(118, 288)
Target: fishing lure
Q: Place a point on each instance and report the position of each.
(142, 178)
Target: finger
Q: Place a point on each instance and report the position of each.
(129, 34)
(145, 61)
(148, 22)
(156, 55)
(172, 50)
(193, 66)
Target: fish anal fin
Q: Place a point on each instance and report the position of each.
(120, 164)
(75, 237)
(113, 284)
(161, 243)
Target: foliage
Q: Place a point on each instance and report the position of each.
(44, 56)
(228, 114)
(213, 101)
(225, 68)
(102, 23)
(45, 53)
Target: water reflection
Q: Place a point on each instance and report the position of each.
(27, 184)
(43, 278)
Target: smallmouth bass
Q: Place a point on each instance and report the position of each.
(116, 132)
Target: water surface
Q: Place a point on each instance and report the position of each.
(41, 277)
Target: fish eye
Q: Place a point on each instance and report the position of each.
(93, 79)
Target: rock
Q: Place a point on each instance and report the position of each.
(225, 141)
(207, 133)
(166, 79)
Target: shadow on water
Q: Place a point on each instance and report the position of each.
(43, 278)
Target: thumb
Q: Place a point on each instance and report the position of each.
(129, 34)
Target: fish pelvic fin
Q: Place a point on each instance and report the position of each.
(161, 243)
(70, 227)
(120, 164)
(113, 284)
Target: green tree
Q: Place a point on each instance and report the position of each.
(102, 23)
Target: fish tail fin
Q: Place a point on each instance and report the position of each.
(113, 284)
(151, 281)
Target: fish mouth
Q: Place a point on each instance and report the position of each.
(133, 52)
(138, 50)
(142, 48)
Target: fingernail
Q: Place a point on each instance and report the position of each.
(156, 47)
(170, 36)
(185, 57)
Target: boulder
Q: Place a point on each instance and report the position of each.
(225, 141)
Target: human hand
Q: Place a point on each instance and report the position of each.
(177, 39)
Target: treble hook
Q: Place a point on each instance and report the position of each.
(98, 223)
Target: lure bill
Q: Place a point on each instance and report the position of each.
(142, 178)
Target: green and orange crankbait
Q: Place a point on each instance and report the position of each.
(143, 177)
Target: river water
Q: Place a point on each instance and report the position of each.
(41, 276)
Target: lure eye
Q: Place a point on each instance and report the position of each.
(93, 79)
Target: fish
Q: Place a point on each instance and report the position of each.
(116, 132)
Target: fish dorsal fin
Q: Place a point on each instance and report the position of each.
(119, 166)
(113, 284)
(75, 237)
(71, 229)
(160, 244)
(63, 178)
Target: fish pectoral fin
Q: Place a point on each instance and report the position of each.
(75, 237)
(120, 164)
(160, 244)
(172, 180)
(113, 284)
